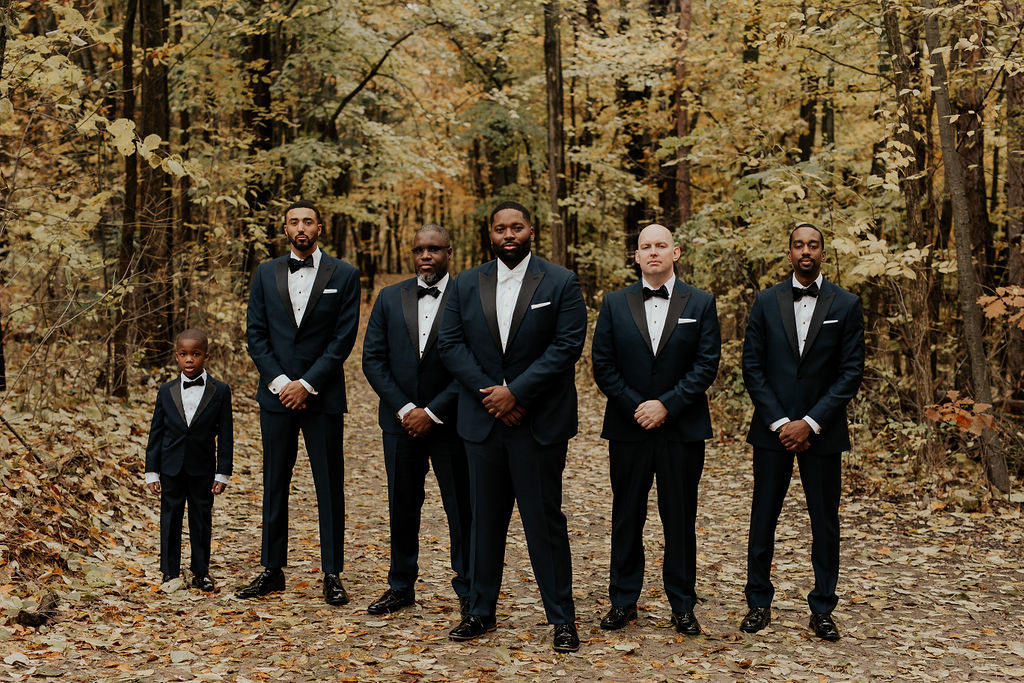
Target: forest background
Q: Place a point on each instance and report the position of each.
(147, 149)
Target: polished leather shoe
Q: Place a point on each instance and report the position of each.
(164, 578)
(204, 583)
(757, 618)
(686, 623)
(334, 592)
(392, 601)
(463, 607)
(618, 617)
(269, 581)
(566, 639)
(824, 627)
(472, 627)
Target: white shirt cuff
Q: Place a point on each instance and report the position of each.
(222, 478)
(309, 387)
(404, 410)
(433, 417)
(774, 426)
(814, 425)
(152, 477)
(278, 384)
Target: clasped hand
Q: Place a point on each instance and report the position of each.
(417, 423)
(500, 403)
(650, 414)
(293, 395)
(794, 436)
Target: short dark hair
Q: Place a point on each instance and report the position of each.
(304, 204)
(511, 205)
(193, 334)
(812, 227)
(434, 227)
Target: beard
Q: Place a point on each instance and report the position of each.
(432, 278)
(310, 243)
(514, 258)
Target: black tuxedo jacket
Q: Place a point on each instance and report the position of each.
(314, 350)
(677, 373)
(392, 363)
(820, 382)
(549, 327)
(204, 447)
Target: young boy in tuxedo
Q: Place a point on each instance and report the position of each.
(188, 458)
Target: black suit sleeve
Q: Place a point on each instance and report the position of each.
(329, 365)
(851, 370)
(754, 358)
(225, 435)
(607, 375)
(377, 361)
(257, 330)
(444, 404)
(694, 384)
(154, 446)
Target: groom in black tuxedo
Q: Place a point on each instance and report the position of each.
(418, 400)
(511, 335)
(301, 326)
(803, 359)
(656, 350)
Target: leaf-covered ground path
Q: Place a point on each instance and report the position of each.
(927, 593)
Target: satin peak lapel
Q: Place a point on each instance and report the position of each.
(176, 399)
(785, 297)
(821, 308)
(323, 276)
(675, 308)
(635, 301)
(208, 391)
(436, 325)
(281, 278)
(410, 311)
(531, 280)
(488, 301)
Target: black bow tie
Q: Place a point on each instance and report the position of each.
(660, 292)
(811, 290)
(295, 264)
(427, 291)
(197, 382)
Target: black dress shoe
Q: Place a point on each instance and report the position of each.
(164, 578)
(686, 623)
(472, 627)
(204, 583)
(618, 617)
(392, 601)
(566, 639)
(824, 627)
(269, 581)
(334, 592)
(463, 607)
(757, 618)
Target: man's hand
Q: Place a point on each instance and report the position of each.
(650, 414)
(499, 401)
(154, 487)
(218, 487)
(417, 423)
(293, 395)
(514, 417)
(794, 436)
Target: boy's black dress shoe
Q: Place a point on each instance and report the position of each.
(392, 601)
(204, 583)
(757, 618)
(566, 639)
(269, 581)
(472, 627)
(618, 617)
(686, 623)
(824, 627)
(334, 592)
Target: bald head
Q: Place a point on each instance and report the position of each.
(656, 253)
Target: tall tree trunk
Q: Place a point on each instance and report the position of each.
(993, 456)
(1015, 206)
(684, 198)
(560, 240)
(126, 247)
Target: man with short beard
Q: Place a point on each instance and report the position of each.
(418, 398)
(301, 326)
(511, 335)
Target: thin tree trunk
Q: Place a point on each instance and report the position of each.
(556, 134)
(126, 248)
(994, 459)
(684, 197)
(1015, 207)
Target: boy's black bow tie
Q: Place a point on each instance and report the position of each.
(197, 382)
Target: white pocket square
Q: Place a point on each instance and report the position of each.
(330, 291)
(540, 305)
(683, 321)
(830, 322)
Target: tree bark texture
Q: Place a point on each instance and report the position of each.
(560, 240)
(684, 197)
(1015, 208)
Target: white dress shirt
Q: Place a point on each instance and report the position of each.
(803, 311)
(656, 309)
(510, 281)
(427, 308)
(300, 284)
(190, 399)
